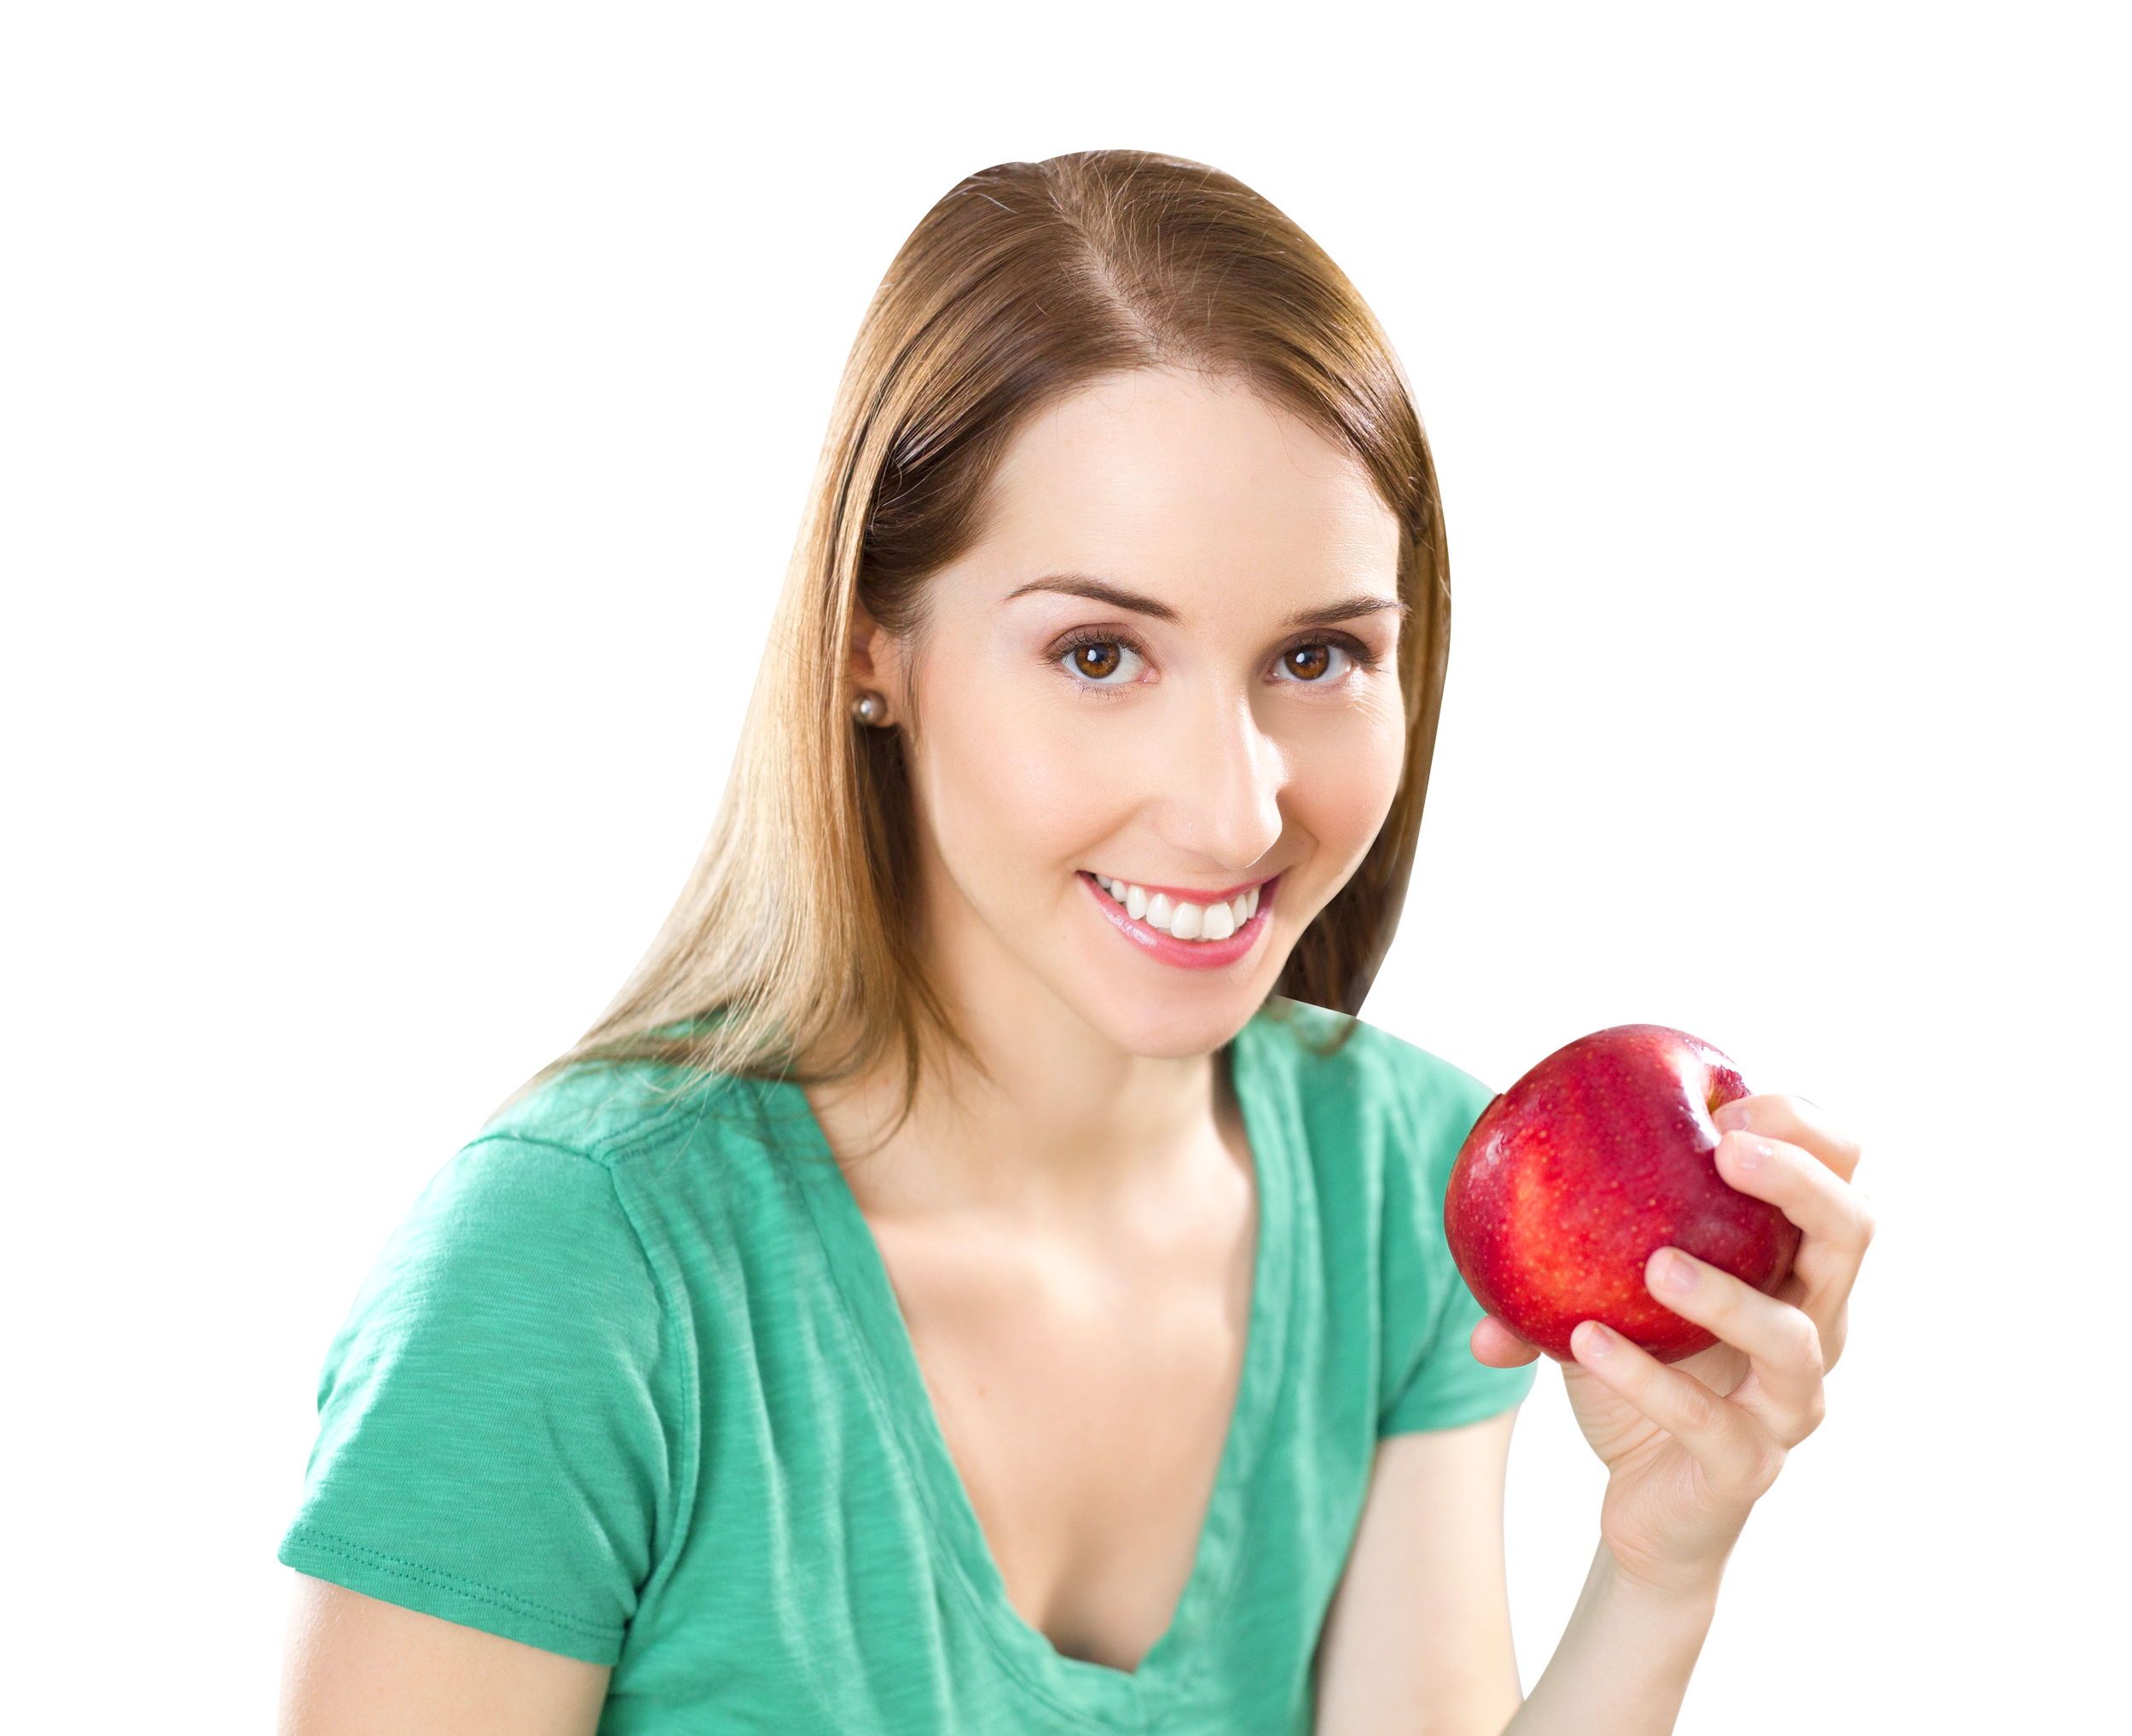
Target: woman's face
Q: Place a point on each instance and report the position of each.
(1166, 673)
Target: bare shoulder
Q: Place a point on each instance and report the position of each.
(354, 1666)
(1419, 1633)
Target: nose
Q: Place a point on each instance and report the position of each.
(1223, 775)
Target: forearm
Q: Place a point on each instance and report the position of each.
(1623, 1663)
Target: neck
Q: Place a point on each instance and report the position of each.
(1044, 1111)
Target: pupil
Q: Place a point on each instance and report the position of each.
(1309, 661)
(1097, 660)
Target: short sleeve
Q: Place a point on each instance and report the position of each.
(1430, 1379)
(493, 1444)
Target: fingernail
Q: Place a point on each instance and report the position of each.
(1675, 1272)
(1750, 1154)
(1732, 1117)
(1598, 1340)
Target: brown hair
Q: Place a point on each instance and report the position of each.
(790, 950)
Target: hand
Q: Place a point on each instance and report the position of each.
(1690, 1448)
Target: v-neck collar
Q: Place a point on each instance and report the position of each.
(1072, 1685)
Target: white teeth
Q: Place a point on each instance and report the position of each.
(1184, 920)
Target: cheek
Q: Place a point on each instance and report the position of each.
(1342, 781)
(1008, 795)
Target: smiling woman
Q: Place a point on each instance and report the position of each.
(977, 1276)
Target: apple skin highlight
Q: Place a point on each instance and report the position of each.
(1600, 1156)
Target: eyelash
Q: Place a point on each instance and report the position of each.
(1063, 648)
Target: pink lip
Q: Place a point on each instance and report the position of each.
(1189, 955)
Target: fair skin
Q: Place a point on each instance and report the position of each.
(1170, 658)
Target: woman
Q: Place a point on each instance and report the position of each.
(977, 1277)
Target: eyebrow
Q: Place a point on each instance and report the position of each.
(1096, 590)
(1074, 585)
(1346, 610)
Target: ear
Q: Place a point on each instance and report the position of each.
(873, 659)
(867, 640)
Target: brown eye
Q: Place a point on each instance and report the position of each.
(1098, 662)
(1307, 662)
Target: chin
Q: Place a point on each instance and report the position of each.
(1177, 1020)
(1177, 1037)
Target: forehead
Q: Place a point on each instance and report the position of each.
(1172, 476)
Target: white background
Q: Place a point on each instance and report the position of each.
(404, 416)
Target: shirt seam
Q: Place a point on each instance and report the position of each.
(689, 1376)
(606, 1156)
(421, 1573)
(583, 1154)
(1458, 1415)
(660, 1129)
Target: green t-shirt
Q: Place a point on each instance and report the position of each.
(630, 1384)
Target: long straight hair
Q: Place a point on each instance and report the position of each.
(790, 951)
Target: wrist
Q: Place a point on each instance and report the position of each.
(1665, 1619)
(1624, 1662)
(1659, 1590)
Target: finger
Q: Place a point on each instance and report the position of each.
(1795, 1121)
(1739, 1457)
(1495, 1344)
(1781, 1342)
(1836, 1220)
(1827, 1208)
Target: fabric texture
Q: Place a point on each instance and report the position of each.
(630, 1384)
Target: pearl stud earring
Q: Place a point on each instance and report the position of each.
(870, 708)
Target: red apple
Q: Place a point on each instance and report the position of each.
(1598, 1157)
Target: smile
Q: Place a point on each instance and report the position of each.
(1215, 920)
(1207, 931)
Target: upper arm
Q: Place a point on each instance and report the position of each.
(1429, 1379)
(502, 1420)
(1418, 1638)
(354, 1666)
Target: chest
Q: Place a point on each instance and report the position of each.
(1083, 1381)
